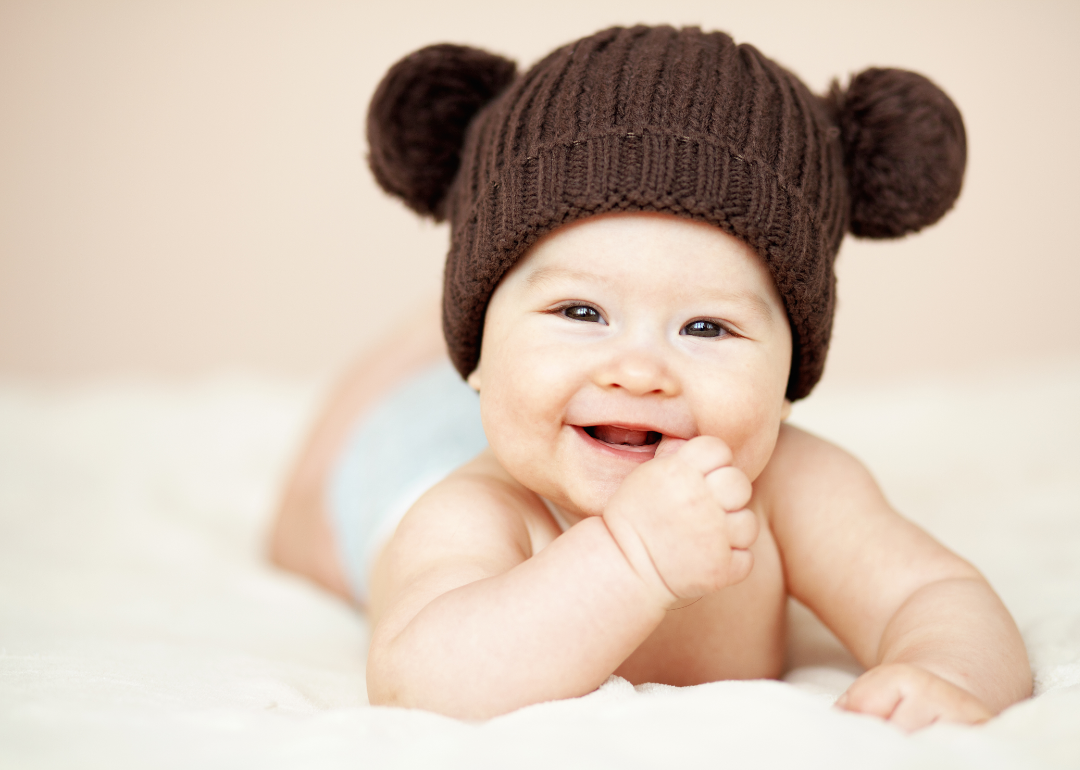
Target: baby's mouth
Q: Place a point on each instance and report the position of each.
(618, 436)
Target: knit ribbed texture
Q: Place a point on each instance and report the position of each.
(674, 121)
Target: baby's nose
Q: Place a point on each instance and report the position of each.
(639, 372)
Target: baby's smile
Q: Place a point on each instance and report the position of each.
(619, 436)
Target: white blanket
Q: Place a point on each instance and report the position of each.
(140, 625)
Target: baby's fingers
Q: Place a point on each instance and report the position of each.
(730, 487)
(913, 714)
(912, 698)
(742, 528)
(906, 711)
(703, 453)
(742, 562)
(878, 694)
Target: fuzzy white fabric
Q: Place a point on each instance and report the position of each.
(140, 625)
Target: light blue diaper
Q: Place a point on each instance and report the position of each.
(399, 449)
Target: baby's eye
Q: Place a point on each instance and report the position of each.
(581, 313)
(704, 329)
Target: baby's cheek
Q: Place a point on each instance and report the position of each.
(509, 436)
(521, 439)
(751, 432)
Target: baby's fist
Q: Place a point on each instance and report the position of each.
(681, 520)
(912, 698)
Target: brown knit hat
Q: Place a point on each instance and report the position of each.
(658, 119)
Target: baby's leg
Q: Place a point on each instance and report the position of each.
(301, 539)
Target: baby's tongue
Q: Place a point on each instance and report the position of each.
(612, 434)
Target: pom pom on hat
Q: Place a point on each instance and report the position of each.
(418, 118)
(905, 151)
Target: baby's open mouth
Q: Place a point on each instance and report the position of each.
(613, 434)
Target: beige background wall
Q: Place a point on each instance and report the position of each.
(183, 189)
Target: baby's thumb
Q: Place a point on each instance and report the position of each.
(668, 446)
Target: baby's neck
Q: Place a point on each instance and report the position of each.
(558, 515)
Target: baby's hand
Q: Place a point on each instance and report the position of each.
(911, 698)
(681, 519)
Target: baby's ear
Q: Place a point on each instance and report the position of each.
(474, 379)
(418, 117)
(905, 151)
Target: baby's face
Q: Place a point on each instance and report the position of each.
(618, 330)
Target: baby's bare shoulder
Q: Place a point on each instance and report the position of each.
(476, 523)
(805, 468)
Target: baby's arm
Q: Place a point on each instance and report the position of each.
(937, 641)
(472, 624)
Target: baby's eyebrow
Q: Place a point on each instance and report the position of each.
(754, 302)
(549, 273)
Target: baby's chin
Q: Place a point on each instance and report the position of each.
(582, 492)
(590, 498)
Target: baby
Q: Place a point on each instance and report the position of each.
(639, 283)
